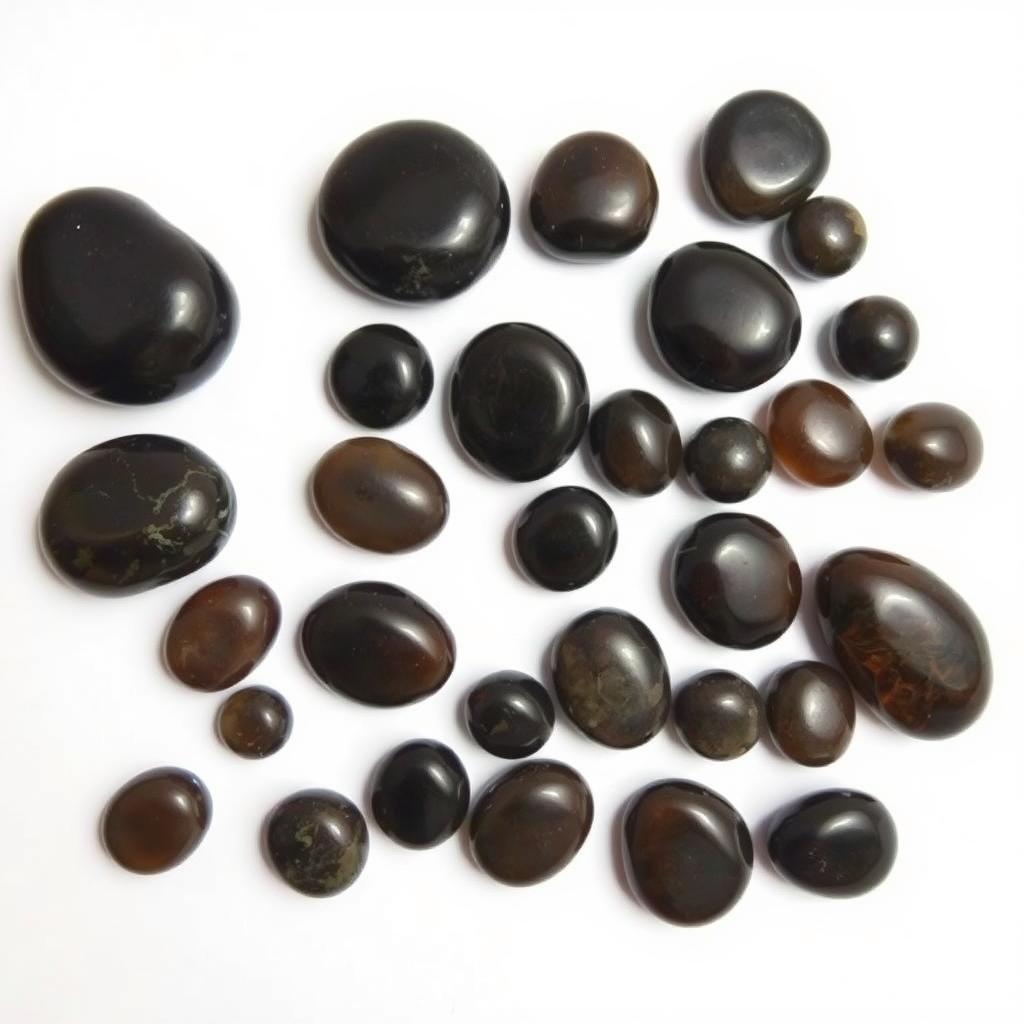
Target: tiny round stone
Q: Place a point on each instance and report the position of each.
(728, 460)
(811, 712)
(874, 338)
(719, 715)
(824, 237)
(510, 714)
(934, 446)
(254, 722)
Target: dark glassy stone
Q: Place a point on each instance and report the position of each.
(519, 401)
(317, 841)
(222, 632)
(378, 495)
(510, 714)
(736, 579)
(420, 794)
(834, 843)
(762, 154)
(728, 460)
(119, 303)
(824, 237)
(378, 644)
(254, 722)
(156, 820)
(934, 446)
(688, 853)
(818, 433)
(135, 512)
(721, 318)
(611, 678)
(530, 822)
(635, 442)
(380, 375)
(909, 643)
(811, 713)
(874, 338)
(413, 210)
(719, 714)
(594, 196)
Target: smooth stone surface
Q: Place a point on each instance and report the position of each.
(824, 237)
(156, 820)
(317, 841)
(687, 852)
(120, 304)
(377, 495)
(420, 794)
(510, 714)
(610, 677)
(378, 644)
(874, 338)
(721, 318)
(413, 210)
(136, 512)
(907, 641)
(934, 446)
(519, 401)
(635, 442)
(818, 434)
(762, 154)
(728, 460)
(811, 712)
(593, 196)
(719, 715)
(254, 722)
(222, 632)
(835, 843)
(530, 822)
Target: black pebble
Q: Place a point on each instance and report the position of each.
(719, 714)
(874, 338)
(728, 460)
(510, 714)
(824, 237)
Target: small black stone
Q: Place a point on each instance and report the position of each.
(824, 237)
(510, 714)
(728, 460)
(719, 715)
(874, 338)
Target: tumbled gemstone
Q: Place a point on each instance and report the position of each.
(254, 722)
(874, 338)
(934, 446)
(719, 715)
(728, 460)
(811, 713)
(824, 237)
(510, 714)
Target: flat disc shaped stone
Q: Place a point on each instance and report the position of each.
(254, 722)
(510, 714)
(719, 715)
(935, 446)
(811, 712)
(874, 338)
(728, 460)
(824, 237)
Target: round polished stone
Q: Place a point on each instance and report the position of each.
(688, 853)
(811, 713)
(824, 237)
(874, 338)
(135, 512)
(728, 460)
(934, 446)
(530, 822)
(420, 794)
(594, 196)
(156, 820)
(380, 375)
(254, 722)
(736, 579)
(413, 210)
(721, 318)
(510, 714)
(635, 442)
(119, 303)
(519, 401)
(719, 715)
(762, 154)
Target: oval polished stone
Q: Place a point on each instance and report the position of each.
(824, 237)
(611, 678)
(736, 579)
(120, 304)
(317, 841)
(687, 852)
(907, 641)
(762, 154)
(635, 442)
(818, 434)
(378, 644)
(874, 338)
(718, 715)
(413, 210)
(420, 794)
(721, 318)
(728, 460)
(135, 512)
(156, 820)
(835, 843)
(378, 495)
(222, 632)
(934, 446)
(530, 822)
(510, 714)
(593, 196)
(254, 722)
(811, 712)
(519, 401)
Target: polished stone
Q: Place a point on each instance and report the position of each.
(728, 460)
(874, 338)
(824, 237)
(718, 715)
(510, 714)
(811, 712)
(934, 446)
(254, 722)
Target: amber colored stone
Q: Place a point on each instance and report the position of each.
(934, 446)
(719, 715)
(811, 712)
(510, 714)
(874, 338)
(728, 460)
(254, 722)
(824, 237)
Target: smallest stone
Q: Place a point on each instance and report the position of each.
(254, 722)
(719, 714)
(824, 237)
(510, 714)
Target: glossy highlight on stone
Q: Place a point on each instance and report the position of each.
(254, 722)
(719, 715)
(728, 460)
(811, 712)
(824, 237)
(510, 714)
(874, 338)
(933, 446)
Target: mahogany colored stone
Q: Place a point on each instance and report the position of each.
(874, 338)
(721, 318)
(510, 714)
(378, 644)
(156, 820)
(222, 632)
(378, 495)
(907, 641)
(254, 722)
(811, 713)
(824, 237)
(530, 822)
(818, 434)
(736, 579)
(519, 401)
(135, 512)
(120, 304)
(934, 446)
(728, 460)
(413, 210)
(719, 715)
(687, 852)
(610, 677)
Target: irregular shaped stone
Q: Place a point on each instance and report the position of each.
(719, 715)
(510, 714)
(811, 712)
(824, 237)
(934, 446)
(728, 460)
(874, 338)
(254, 722)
